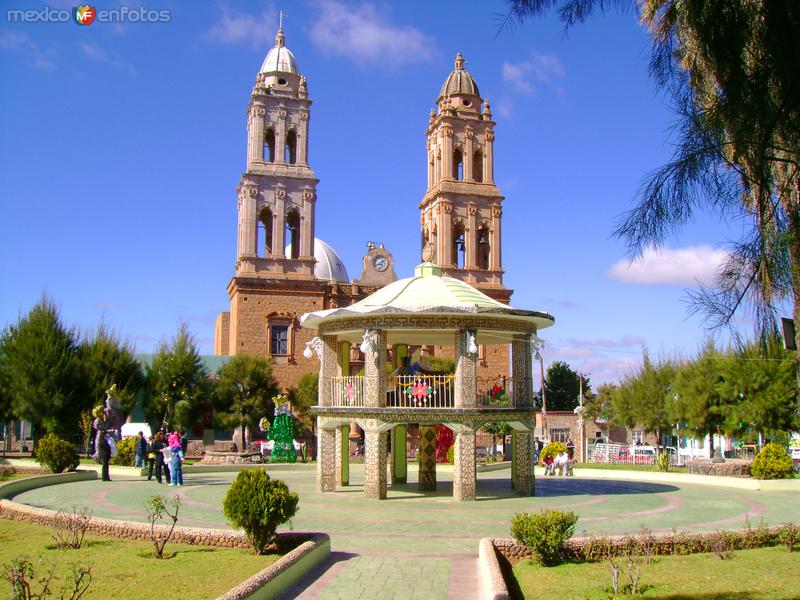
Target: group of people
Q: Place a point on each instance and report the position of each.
(561, 463)
(164, 452)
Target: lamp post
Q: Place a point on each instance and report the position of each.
(538, 356)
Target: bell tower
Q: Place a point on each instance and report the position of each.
(277, 192)
(461, 212)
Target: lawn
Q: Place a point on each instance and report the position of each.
(766, 573)
(127, 569)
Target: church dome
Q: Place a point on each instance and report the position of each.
(329, 266)
(280, 58)
(459, 81)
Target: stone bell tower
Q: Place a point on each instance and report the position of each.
(277, 192)
(461, 212)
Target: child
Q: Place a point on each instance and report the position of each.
(176, 470)
(549, 465)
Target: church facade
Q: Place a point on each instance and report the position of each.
(283, 271)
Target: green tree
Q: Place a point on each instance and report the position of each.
(700, 400)
(43, 371)
(243, 392)
(761, 377)
(303, 396)
(107, 360)
(562, 387)
(731, 67)
(178, 387)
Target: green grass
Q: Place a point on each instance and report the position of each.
(612, 467)
(127, 569)
(766, 573)
(12, 476)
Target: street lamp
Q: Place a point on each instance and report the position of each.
(538, 356)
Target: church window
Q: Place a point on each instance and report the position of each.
(269, 145)
(482, 248)
(265, 226)
(293, 234)
(279, 339)
(477, 167)
(290, 151)
(458, 165)
(459, 246)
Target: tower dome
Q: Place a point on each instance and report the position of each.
(459, 82)
(329, 266)
(280, 58)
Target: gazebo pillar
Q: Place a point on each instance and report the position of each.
(399, 460)
(342, 432)
(375, 368)
(427, 458)
(375, 463)
(464, 477)
(522, 477)
(522, 370)
(326, 436)
(466, 363)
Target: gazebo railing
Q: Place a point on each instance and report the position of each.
(421, 391)
(431, 391)
(347, 391)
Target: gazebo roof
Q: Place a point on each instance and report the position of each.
(428, 293)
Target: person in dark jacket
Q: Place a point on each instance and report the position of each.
(104, 454)
(156, 446)
(184, 442)
(141, 451)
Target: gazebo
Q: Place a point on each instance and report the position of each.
(427, 309)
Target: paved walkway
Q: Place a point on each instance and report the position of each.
(416, 545)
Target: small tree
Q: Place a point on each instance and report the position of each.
(56, 454)
(544, 533)
(243, 392)
(773, 462)
(562, 387)
(303, 396)
(156, 509)
(259, 504)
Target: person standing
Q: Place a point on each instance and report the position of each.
(158, 446)
(176, 468)
(151, 457)
(141, 451)
(104, 455)
(570, 448)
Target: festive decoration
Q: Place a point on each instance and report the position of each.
(263, 424)
(282, 433)
(444, 439)
(108, 418)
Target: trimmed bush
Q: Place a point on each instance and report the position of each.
(552, 449)
(126, 450)
(773, 462)
(258, 504)
(544, 533)
(56, 454)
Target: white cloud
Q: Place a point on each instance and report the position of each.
(100, 54)
(362, 35)
(529, 76)
(234, 27)
(604, 361)
(33, 54)
(671, 266)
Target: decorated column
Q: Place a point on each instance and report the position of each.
(522, 477)
(521, 370)
(375, 463)
(466, 362)
(427, 458)
(342, 456)
(328, 369)
(326, 459)
(374, 348)
(399, 461)
(464, 478)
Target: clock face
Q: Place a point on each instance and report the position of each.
(381, 263)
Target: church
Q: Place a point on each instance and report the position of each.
(283, 271)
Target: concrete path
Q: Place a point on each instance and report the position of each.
(416, 545)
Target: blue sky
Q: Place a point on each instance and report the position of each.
(122, 145)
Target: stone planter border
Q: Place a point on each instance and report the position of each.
(313, 548)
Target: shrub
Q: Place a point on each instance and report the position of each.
(69, 528)
(552, 449)
(773, 462)
(56, 454)
(662, 461)
(258, 504)
(126, 450)
(544, 533)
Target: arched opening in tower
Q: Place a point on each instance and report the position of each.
(269, 145)
(290, 150)
(459, 246)
(477, 166)
(458, 165)
(293, 234)
(265, 230)
(482, 247)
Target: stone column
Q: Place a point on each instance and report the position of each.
(307, 225)
(521, 369)
(447, 153)
(495, 256)
(375, 369)
(279, 224)
(471, 235)
(302, 139)
(249, 204)
(256, 154)
(375, 464)
(465, 371)
(522, 475)
(445, 234)
(280, 138)
(464, 478)
(427, 458)
(328, 369)
(488, 171)
(399, 461)
(326, 460)
(468, 150)
(342, 456)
